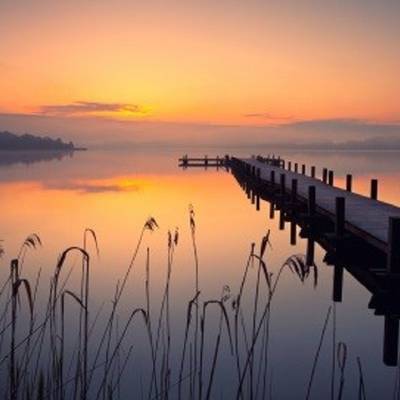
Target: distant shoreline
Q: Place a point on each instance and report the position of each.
(20, 150)
(28, 142)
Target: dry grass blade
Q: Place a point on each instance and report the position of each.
(74, 296)
(267, 275)
(176, 236)
(314, 367)
(33, 240)
(361, 387)
(191, 218)
(221, 304)
(64, 255)
(94, 237)
(28, 291)
(341, 355)
(264, 243)
(297, 264)
(151, 224)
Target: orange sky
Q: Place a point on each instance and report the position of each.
(233, 62)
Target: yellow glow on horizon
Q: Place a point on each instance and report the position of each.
(212, 70)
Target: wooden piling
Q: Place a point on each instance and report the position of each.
(281, 220)
(293, 233)
(303, 169)
(289, 165)
(330, 178)
(349, 182)
(313, 171)
(390, 340)
(324, 175)
(393, 255)
(296, 167)
(310, 252)
(271, 210)
(374, 189)
(337, 283)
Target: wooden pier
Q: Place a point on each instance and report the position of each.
(360, 234)
(204, 162)
(364, 217)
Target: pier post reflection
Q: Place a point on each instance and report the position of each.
(391, 340)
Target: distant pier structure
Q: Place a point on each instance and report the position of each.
(359, 233)
(204, 162)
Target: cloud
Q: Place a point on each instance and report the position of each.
(348, 125)
(92, 187)
(269, 116)
(90, 108)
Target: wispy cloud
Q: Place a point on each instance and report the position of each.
(85, 187)
(91, 108)
(270, 117)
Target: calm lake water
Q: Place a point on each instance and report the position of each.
(114, 193)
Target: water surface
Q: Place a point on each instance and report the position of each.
(114, 193)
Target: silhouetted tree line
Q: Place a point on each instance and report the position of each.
(11, 141)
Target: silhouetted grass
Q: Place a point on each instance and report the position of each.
(39, 362)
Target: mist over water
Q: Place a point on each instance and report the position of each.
(115, 192)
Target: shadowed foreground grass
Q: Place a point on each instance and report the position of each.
(35, 362)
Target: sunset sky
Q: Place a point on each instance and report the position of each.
(145, 66)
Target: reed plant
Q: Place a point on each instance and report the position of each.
(53, 359)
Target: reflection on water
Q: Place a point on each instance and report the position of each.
(114, 193)
(30, 157)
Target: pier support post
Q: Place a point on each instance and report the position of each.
(248, 192)
(337, 283)
(339, 231)
(258, 203)
(313, 171)
(281, 220)
(271, 210)
(374, 189)
(296, 167)
(303, 169)
(324, 175)
(330, 178)
(310, 252)
(293, 233)
(390, 340)
(349, 182)
(393, 255)
(289, 165)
